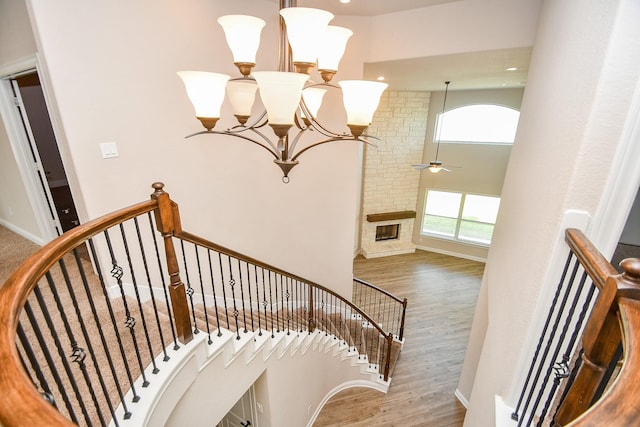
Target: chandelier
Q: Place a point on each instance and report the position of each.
(290, 99)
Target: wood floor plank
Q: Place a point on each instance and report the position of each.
(441, 292)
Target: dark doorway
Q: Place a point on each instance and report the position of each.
(44, 151)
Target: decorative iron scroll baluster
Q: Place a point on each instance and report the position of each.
(117, 273)
(151, 294)
(213, 290)
(43, 384)
(232, 285)
(112, 317)
(90, 299)
(55, 336)
(244, 311)
(543, 336)
(189, 290)
(204, 302)
(136, 290)
(287, 306)
(164, 289)
(224, 291)
(50, 363)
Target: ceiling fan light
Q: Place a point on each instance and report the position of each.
(205, 90)
(434, 169)
(305, 29)
(243, 36)
(332, 47)
(361, 99)
(280, 93)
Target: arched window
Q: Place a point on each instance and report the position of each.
(477, 124)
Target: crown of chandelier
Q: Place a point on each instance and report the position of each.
(290, 99)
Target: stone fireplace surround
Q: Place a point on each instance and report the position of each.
(390, 184)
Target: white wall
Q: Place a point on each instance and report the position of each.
(16, 43)
(582, 80)
(112, 69)
(475, 168)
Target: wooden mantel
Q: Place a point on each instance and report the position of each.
(390, 216)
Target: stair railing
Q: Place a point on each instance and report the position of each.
(72, 354)
(572, 384)
(388, 310)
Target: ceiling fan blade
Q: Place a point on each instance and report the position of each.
(420, 167)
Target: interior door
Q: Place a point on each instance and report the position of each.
(243, 412)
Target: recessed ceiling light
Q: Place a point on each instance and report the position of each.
(344, 1)
(380, 78)
(512, 69)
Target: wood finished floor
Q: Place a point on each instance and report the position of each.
(442, 293)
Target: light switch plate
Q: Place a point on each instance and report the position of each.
(109, 150)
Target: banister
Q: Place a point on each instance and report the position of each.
(596, 265)
(378, 289)
(21, 402)
(615, 319)
(192, 238)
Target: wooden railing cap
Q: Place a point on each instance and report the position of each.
(631, 267)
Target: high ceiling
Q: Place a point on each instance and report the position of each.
(473, 70)
(369, 7)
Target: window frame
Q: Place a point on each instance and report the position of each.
(437, 131)
(456, 237)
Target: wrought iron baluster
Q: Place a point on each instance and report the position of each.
(244, 311)
(561, 368)
(213, 289)
(79, 354)
(44, 348)
(96, 319)
(134, 280)
(55, 336)
(515, 415)
(189, 290)
(253, 327)
(107, 300)
(287, 303)
(265, 302)
(35, 366)
(204, 302)
(151, 293)
(164, 284)
(232, 284)
(224, 292)
(554, 328)
(130, 322)
(255, 277)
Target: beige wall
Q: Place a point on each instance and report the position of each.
(583, 83)
(475, 168)
(16, 43)
(112, 68)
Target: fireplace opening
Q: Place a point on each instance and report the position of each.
(387, 232)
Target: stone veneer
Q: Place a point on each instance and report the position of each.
(390, 184)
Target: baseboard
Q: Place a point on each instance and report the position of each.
(458, 394)
(450, 253)
(27, 235)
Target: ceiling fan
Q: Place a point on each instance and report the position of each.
(435, 166)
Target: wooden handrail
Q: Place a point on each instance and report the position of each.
(596, 265)
(615, 318)
(21, 404)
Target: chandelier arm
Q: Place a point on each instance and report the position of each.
(271, 150)
(293, 144)
(325, 141)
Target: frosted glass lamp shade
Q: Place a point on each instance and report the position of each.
(332, 47)
(280, 93)
(243, 36)
(305, 29)
(361, 99)
(242, 95)
(313, 100)
(206, 91)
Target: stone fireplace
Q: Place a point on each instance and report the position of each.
(390, 184)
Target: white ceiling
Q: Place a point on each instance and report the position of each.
(474, 70)
(368, 7)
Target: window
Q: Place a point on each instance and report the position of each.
(459, 216)
(477, 124)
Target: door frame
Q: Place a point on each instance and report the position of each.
(20, 144)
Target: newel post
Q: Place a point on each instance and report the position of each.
(601, 338)
(167, 222)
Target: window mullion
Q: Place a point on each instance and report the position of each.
(460, 210)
